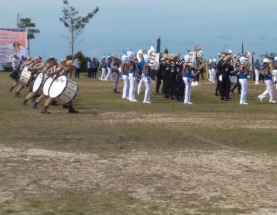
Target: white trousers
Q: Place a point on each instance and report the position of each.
(213, 74)
(148, 84)
(132, 81)
(210, 74)
(269, 90)
(140, 83)
(257, 75)
(187, 82)
(103, 74)
(244, 90)
(109, 75)
(125, 91)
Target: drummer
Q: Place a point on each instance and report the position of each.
(33, 64)
(67, 71)
(44, 67)
(26, 63)
(51, 73)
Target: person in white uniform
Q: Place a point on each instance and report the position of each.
(125, 76)
(147, 71)
(257, 70)
(132, 76)
(243, 76)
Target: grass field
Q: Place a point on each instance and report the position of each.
(122, 158)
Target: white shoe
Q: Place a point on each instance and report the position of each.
(147, 102)
(261, 99)
(272, 101)
(244, 103)
(134, 100)
(188, 103)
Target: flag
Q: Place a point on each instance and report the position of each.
(242, 51)
(158, 45)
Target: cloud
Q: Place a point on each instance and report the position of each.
(261, 38)
(225, 37)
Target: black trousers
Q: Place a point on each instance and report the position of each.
(218, 84)
(196, 77)
(225, 86)
(158, 83)
(77, 73)
(237, 85)
(172, 87)
(89, 73)
(93, 72)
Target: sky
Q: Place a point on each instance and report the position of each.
(213, 24)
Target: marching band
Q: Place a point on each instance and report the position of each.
(177, 76)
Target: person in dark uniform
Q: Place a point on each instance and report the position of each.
(159, 79)
(166, 74)
(237, 72)
(172, 81)
(227, 68)
(219, 73)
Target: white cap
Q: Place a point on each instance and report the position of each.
(266, 60)
(210, 60)
(275, 58)
(214, 60)
(124, 58)
(230, 51)
(242, 60)
(186, 58)
(130, 55)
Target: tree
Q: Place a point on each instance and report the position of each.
(31, 31)
(166, 51)
(74, 24)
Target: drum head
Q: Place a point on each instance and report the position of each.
(38, 82)
(47, 85)
(58, 86)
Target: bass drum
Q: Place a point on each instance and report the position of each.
(47, 85)
(25, 77)
(39, 83)
(63, 90)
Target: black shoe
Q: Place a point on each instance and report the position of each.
(221, 98)
(11, 89)
(115, 91)
(216, 94)
(227, 99)
(232, 91)
(16, 94)
(24, 102)
(35, 105)
(65, 106)
(44, 110)
(238, 92)
(166, 96)
(71, 110)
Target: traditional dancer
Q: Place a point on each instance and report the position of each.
(268, 81)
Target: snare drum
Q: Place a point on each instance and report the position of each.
(63, 90)
(39, 83)
(25, 77)
(233, 79)
(47, 84)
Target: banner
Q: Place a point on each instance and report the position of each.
(12, 42)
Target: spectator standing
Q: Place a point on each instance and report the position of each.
(77, 64)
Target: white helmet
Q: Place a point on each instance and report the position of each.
(186, 58)
(266, 60)
(130, 55)
(124, 58)
(214, 60)
(275, 58)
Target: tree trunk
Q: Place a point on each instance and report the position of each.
(72, 47)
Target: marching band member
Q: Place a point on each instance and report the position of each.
(213, 70)
(268, 81)
(52, 73)
(115, 64)
(172, 86)
(109, 75)
(257, 70)
(274, 67)
(67, 71)
(226, 69)
(103, 67)
(132, 76)
(187, 78)
(147, 79)
(210, 69)
(140, 66)
(33, 64)
(125, 70)
(243, 73)
(46, 69)
(238, 62)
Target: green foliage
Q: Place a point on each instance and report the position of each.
(30, 26)
(74, 24)
(166, 51)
